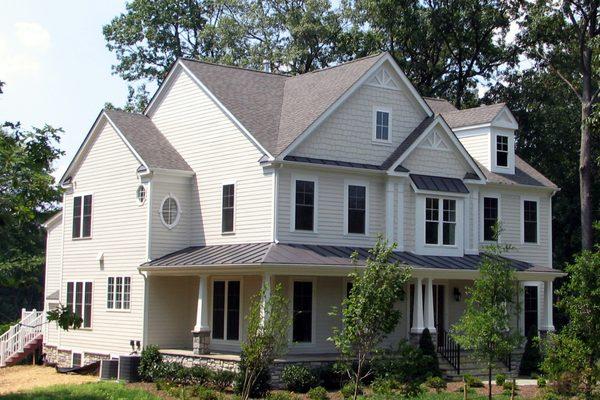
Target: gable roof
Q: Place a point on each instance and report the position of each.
(473, 116)
(408, 142)
(439, 106)
(525, 174)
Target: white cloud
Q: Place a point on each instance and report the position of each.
(33, 35)
(22, 48)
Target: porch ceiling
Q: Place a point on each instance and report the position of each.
(288, 254)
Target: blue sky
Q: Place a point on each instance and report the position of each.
(56, 66)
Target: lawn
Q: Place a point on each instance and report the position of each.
(85, 391)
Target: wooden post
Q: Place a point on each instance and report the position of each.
(465, 388)
(512, 391)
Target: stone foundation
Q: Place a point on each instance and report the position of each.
(62, 358)
(89, 358)
(214, 363)
(201, 342)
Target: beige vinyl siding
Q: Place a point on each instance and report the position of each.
(119, 231)
(409, 218)
(330, 208)
(478, 146)
(218, 152)
(52, 274)
(347, 134)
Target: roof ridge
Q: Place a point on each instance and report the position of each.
(236, 67)
(316, 71)
(476, 108)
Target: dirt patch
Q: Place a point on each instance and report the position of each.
(527, 392)
(25, 377)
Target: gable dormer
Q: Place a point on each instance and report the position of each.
(488, 134)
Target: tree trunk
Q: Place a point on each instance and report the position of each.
(489, 381)
(585, 179)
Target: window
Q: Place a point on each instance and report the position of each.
(141, 194)
(490, 217)
(382, 125)
(436, 228)
(302, 315)
(118, 295)
(349, 286)
(82, 216)
(79, 301)
(502, 151)
(169, 211)
(226, 310)
(357, 209)
(227, 212)
(305, 205)
(76, 359)
(530, 223)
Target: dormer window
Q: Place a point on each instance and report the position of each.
(382, 125)
(502, 150)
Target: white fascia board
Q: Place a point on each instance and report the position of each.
(56, 217)
(387, 58)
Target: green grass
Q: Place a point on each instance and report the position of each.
(442, 396)
(85, 391)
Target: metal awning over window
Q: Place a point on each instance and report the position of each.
(439, 184)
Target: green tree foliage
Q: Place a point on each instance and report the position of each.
(428, 349)
(28, 196)
(532, 357)
(575, 351)
(368, 314)
(485, 327)
(65, 318)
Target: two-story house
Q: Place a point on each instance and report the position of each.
(233, 178)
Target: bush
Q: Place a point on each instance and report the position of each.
(411, 389)
(331, 377)
(541, 382)
(222, 379)
(407, 364)
(472, 381)
(167, 372)
(204, 393)
(150, 359)
(428, 350)
(348, 390)
(280, 396)
(532, 356)
(298, 378)
(383, 386)
(437, 383)
(508, 386)
(500, 379)
(261, 385)
(318, 393)
(197, 375)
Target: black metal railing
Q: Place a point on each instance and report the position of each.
(449, 349)
(507, 361)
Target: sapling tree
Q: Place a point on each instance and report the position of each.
(485, 328)
(368, 314)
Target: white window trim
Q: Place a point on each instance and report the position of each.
(540, 304)
(441, 222)
(235, 198)
(114, 309)
(137, 197)
(522, 220)
(73, 352)
(313, 334)
(442, 250)
(374, 133)
(162, 203)
(481, 214)
(240, 318)
(312, 178)
(498, 135)
(82, 195)
(347, 184)
(82, 328)
(495, 132)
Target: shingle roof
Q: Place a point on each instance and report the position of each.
(406, 143)
(439, 183)
(472, 116)
(281, 106)
(147, 140)
(525, 174)
(439, 106)
(318, 255)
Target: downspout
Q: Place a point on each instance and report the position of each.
(148, 258)
(275, 202)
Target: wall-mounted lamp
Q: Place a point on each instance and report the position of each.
(132, 344)
(138, 344)
(456, 294)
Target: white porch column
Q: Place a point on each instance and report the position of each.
(400, 223)
(389, 211)
(266, 295)
(202, 310)
(429, 315)
(418, 308)
(548, 306)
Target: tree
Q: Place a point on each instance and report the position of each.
(532, 357)
(557, 35)
(368, 314)
(485, 327)
(28, 196)
(576, 347)
(428, 349)
(268, 323)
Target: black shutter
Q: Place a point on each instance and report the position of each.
(87, 216)
(87, 305)
(77, 216)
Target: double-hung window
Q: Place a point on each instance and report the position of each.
(357, 209)
(440, 221)
(490, 218)
(226, 310)
(304, 207)
(502, 150)
(382, 126)
(118, 294)
(82, 216)
(79, 301)
(302, 312)
(227, 210)
(530, 221)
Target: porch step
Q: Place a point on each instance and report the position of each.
(28, 349)
(470, 366)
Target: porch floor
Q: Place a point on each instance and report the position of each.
(236, 357)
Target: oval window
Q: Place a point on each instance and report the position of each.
(141, 194)
(169, 211)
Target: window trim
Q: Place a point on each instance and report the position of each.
(114, 309)
(137, 197)
(82, 195)
(497, 136)
(313, 318)
(179, 212)
(374, 139)
(540, 310)
(537, 222)
(235, 197)
(440, 223)
(83, 282)
(482, 211)
(241, 310)
(311, 178)
(419, 231)
(347, 184)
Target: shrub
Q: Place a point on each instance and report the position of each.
(280, 396)
(411, 389)
(404, 365)
(500, 379)
(149, 361)
(428, 350)
(298, 378)
(197, 375)
(261, 384)
(167, 372)
(318, 393)
(383, 386)
(541, 382)
(204, 393)
(532, 356)
(222, 379)
(472, 381)
(349, 389)
(437, 383)
(508, 386)
(330, 377)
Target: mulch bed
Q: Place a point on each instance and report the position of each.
(527, 392)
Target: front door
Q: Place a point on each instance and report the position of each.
(438, 310)
(530, 308)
